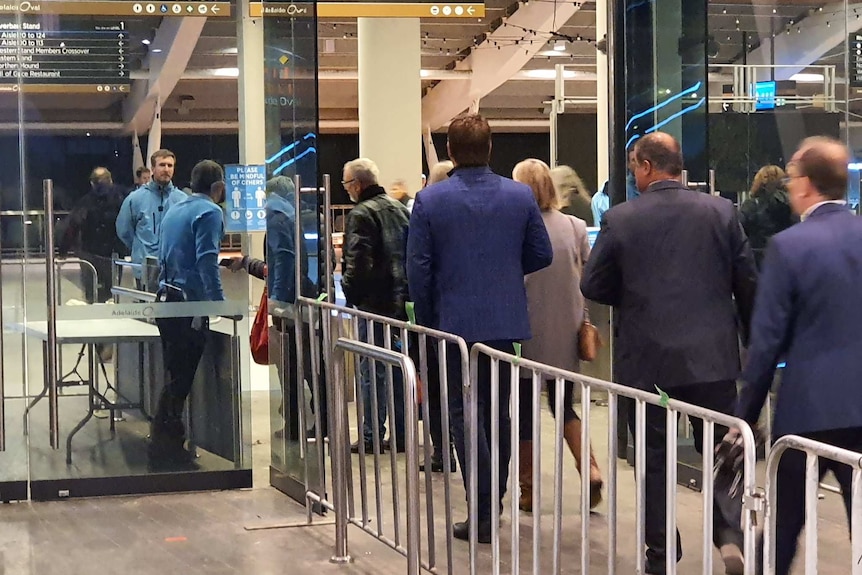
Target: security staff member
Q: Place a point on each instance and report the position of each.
(190, 238)
(140, 218)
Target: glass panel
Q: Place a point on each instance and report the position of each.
(144, 387)
(18, 227)
(290, 48)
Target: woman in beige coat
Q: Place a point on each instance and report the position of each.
(556, 314)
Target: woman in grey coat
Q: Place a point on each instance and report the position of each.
(556, 313)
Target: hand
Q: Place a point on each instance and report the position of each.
(236, 263)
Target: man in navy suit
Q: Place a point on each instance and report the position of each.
(806, 313)
(472, 240)
(677, 268)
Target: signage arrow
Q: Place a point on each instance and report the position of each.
(122, 73)
(121, 36)
(470, 10)
(215, 9)
(122, 66)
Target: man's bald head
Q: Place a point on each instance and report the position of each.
(824, 162)
(658, 156)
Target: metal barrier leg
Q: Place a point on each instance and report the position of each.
(856, 522)
(340, 453)
(613, 438)
(812, 482)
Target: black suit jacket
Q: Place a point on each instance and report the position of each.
(671, 262)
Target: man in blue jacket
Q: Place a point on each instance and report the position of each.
(140, 218)
(472, 240)
(190, 241)
(805, 312)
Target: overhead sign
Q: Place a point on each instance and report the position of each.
(66, 52)
(366, 10)
(855, 60)
(117, 8)
(246, 198)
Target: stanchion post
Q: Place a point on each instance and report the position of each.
(339, 455)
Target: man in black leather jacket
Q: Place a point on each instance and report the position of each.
(374, 280)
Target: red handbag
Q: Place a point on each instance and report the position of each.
(260, 333)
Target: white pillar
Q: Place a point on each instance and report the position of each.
(602, 95)
(390, 98)
(252, 124)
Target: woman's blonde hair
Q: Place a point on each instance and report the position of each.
(439, 172)
(568, 183)
(537, 175)
(766, 176)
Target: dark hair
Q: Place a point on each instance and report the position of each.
(469, 140)
(204, 175)
(141, 170)
(657, 150)
(100, 175)
(162, 154)
(824, 163)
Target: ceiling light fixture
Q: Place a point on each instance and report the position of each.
(145, 41)
(805, 78)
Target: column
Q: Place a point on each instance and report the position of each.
(602, 97)
(390, 98)
(252, 144)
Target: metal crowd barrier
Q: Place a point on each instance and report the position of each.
(403, 340)
(814, 450)
(343, 478)
(539, 373)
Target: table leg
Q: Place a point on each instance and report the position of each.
(42, 393)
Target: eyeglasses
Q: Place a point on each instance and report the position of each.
(345, 182)
(787, 179)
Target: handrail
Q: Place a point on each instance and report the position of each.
(135, 293)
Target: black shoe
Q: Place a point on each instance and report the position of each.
(387, 445)
(462, 531)
(437, 464)
(369, 448)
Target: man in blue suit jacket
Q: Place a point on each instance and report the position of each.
(472, 240)
(805, 312)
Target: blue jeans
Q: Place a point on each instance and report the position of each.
(382, 389)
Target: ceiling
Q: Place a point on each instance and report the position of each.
(205, 98)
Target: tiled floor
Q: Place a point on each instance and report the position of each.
(241, 531)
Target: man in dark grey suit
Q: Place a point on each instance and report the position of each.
(804, 314)
(671, 262)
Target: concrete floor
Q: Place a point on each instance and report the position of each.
(238, 531)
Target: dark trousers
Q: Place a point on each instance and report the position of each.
(525, 416)
(717, 396)
(483, 424)
(101, 291)
(790, 507)
(182, 347)
(380, 388)
(430, 386)
(288, 377)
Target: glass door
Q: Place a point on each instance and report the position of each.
(294, 250)
(131, 331)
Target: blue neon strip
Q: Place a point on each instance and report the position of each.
(288, 148)
(658, 107)
(682, 112)
(632, 140)
(293, 160)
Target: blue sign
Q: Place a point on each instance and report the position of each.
(592, 235)
(764, 96)
(246, 198)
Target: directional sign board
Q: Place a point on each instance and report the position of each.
(246, 198)
(117, 8)
(855, 47)
(367, 9)
(66, 52)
